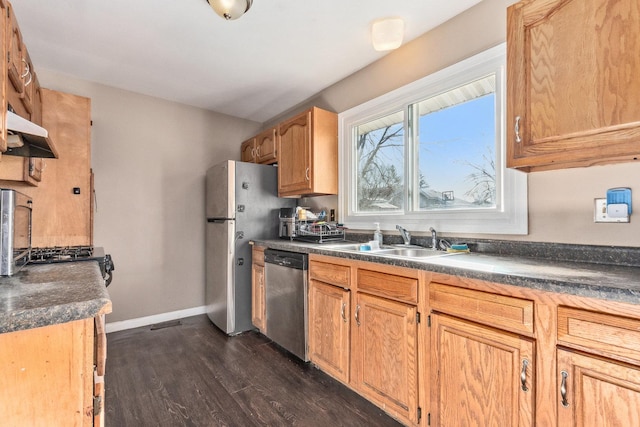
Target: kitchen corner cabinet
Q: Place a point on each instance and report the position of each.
(48, 374)
(248, 151)
(573, 98)
(261, 148)
(258, 296)
(308, 154)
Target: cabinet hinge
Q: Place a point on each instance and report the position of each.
(419, 413)
(418, 317)
(97, 405)
(429, 320)
(429, 419)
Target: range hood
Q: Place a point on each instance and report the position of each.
(27, 139)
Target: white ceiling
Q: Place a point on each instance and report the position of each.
(277, 55)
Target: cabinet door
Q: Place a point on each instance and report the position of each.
(329, 311)
(571, 97)
(480, 375)
(16, 67)
(248, 151)
(384, 354)
(596, 392)
(294, 151)
(266, 147)
(4, 23)
(258, 313)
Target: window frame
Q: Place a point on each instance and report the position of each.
(511, 213)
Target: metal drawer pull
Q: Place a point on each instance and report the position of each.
(523, 375)
(342, 311)
(358, 314)
(306, 174)
(517, 129)
(563, 389)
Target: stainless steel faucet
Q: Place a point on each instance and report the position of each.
(434, 238)
(406, 236)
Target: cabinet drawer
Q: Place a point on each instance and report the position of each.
(508, 313)
(599, 332)
(330, 273)
(389, 285)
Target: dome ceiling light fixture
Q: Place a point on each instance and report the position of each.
(230, 9)
(387, 33)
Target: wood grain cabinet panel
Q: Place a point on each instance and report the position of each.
(572, 95)
(329, 329)
(481, 376)
(339, 275)
(308, 154)
(266, 151)
(596, 392)
(385, 355)
(47, 375)
(509, 313)
(258, 296)
(388, 285)
(600, 333)
(248, 150)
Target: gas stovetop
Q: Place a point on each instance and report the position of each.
(64, 253)
(75, 253)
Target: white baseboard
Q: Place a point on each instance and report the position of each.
(156, 318)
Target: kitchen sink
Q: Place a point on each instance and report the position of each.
(400, 251)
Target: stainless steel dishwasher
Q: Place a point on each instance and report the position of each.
(286, 300)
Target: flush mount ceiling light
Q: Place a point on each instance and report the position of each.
(230, 9)
(387, 34)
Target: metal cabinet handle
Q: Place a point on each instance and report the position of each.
(26, 69)
(358, 315)
(563, 389)
(342, 312)
(523, 375)
(517, 129)
(253, 153)
(306, 174)
(258, 151)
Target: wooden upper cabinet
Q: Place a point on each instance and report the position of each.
(573, 95)
(248, 150)
(308, 154)
(266, 147)
(3, 84)
(16, 68)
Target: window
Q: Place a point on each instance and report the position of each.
(431, 154)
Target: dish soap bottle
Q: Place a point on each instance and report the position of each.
(377, 235)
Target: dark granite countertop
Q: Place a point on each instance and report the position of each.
(49, 294)
(589, 279)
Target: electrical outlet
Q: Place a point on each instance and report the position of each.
(600, 213)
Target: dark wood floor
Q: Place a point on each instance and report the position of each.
(192, 374)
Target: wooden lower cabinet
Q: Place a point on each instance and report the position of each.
(481, 375)
(48, 375)
(595, 391)
(329, 326)
(368, 340)
(384, 352)
(258, 297)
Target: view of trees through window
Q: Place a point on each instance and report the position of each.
(453, 148)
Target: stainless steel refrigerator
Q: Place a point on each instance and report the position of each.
(242, 204)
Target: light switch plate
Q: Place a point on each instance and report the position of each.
(600, 213)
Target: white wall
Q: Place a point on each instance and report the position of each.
(149, 157)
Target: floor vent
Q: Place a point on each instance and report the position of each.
(169, 324)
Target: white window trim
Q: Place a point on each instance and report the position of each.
(511, 214)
